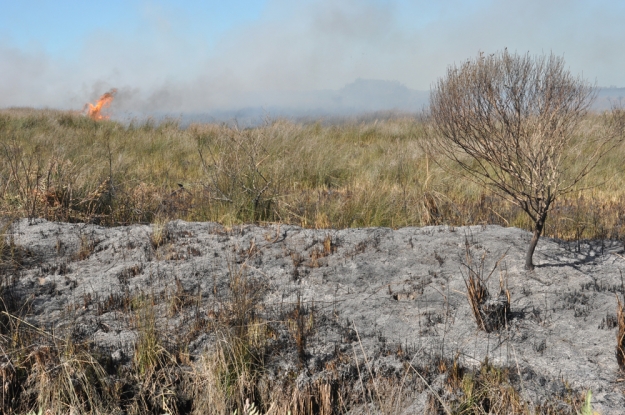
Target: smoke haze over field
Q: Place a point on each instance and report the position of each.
(297, 54)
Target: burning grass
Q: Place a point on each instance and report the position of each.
(95, 111)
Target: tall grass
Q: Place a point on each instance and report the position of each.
(64, 166)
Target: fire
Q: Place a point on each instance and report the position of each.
(94, 111)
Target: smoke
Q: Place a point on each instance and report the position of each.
(296, 47)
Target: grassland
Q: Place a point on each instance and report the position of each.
(64, 166)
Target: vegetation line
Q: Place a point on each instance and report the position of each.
(66, 167)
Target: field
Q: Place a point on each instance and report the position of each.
(66, 167)
(272, 295)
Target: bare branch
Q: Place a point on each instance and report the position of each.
(511, 123)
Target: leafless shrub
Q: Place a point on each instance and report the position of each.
(25, 174)
(235, 163)
(511, 123)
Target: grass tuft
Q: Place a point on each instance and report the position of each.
(620, 336)
(490, 314)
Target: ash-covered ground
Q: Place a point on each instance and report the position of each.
(384, 297)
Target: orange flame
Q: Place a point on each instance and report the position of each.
(94, 111)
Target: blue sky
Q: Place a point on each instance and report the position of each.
(61, 27)
(204, 55)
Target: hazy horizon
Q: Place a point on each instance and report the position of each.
(298, 55)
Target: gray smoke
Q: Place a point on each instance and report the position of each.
(304, 55)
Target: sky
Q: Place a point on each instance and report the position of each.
(192, 55)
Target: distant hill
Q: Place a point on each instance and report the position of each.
(377, 95)
(368, 95)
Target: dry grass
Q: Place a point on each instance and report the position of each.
(40, 370)
(620, 336)
(64, 166)
(43, 373)
(490, 314)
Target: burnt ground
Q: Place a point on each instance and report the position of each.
(387, 298)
